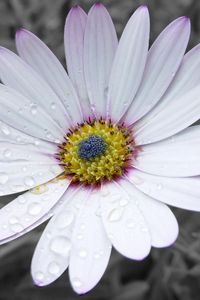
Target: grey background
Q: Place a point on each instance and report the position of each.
(172, 273)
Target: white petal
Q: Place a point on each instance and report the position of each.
(100, 44)
(124, 223)
(40, 57)
(24, 161)
(20, 175)
(25, 210)
(161, 221)
(74, 46)
(19, 112)
(129, 63)
(186, 79)
(176, 116)
(51, 256)
(177, 156)
(91, 248)
(15, 137)
(179, 192)
(17, 74)
(163, 61)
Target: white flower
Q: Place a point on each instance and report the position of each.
(103, 150)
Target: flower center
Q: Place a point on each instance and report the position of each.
(96, 151)
(92, 147)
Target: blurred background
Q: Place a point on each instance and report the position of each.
(167, 274)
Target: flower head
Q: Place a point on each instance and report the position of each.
(100, 150)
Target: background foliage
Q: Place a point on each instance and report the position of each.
(167, 274)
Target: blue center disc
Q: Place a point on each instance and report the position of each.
(92, 147)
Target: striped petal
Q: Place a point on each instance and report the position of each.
(100, 44)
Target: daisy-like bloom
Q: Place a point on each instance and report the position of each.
(102, 149)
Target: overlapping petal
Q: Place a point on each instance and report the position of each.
(124, 223)
(177, 156)
(74, 52)
(179, 192)
(19, 112)
(100, 44)
(163, 61)
(91, 247)
(40, 58)
(16, 73)
(161, 222)
(51, 256)
(129, 63)
(20, 214)
(176, 110)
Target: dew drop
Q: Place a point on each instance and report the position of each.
(137, 180)
(159, 186)
(5, 130)
(16, 227)
(29, 181)
(13, 220)
(36, 143)
(61, 246)
(76, 283)
(54, 268)
(83, 253)
(123, 202)
(39, 276)
(3, 178)
(21, 200)
(53, 105)
(33, 109)
(7, 153)
(65, 219)
(115, 215)
(34, 209)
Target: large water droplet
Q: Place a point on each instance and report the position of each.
(115, 215)
(61, 246)
(65, 219)
(29, 181)
(54, 268)
(34, 209)
(3, 178)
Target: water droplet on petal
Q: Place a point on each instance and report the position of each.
(137, 180)
(34, 209)
(54, 268)
(159, 186)
(53, 105)
(65, 219)
(29, 181)
(83, 253)
(76, 283)
(39, 276)
(16, 227)
(61, 246)
(5, 130)
(34, 109)
(115, 215)
(7, 153)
